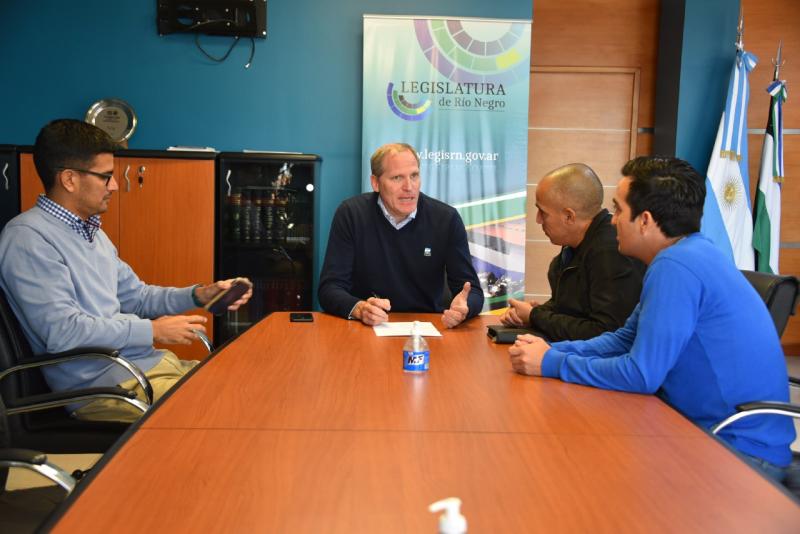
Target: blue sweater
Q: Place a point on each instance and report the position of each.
(366, 256)
(702, 339)
(69, 293)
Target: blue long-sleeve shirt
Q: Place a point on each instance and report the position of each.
(702, 339)
(69, 293)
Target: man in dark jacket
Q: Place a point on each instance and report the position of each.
(594, 287)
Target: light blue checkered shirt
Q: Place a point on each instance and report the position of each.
(85, 229)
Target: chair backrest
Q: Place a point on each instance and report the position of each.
(5, 441)
(14, 347)
(52, 430)
(779, 292)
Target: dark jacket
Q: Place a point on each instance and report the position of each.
(594, 291)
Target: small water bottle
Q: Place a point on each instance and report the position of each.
(416, 355)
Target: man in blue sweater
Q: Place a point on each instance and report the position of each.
(391, 249)
(700, 337)
(69, 288)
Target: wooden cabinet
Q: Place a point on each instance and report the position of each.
(161, 219)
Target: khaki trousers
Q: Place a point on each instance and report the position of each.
(162, 377)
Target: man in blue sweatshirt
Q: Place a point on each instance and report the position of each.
(700, 337)
(392, 249)
(69, 288)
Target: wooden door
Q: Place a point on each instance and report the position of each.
(593, 70)
(167, 225)
(31, 187)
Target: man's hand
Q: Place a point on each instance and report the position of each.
(177, 329)
(527, 353)
(372, 311)
(458, 308)
(518, 313)
(204, 294)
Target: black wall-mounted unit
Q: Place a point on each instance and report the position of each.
(9, 183)
(243, 18)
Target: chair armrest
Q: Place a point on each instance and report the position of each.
(56, 399)
(42, 360)
(759, 408)
(37, 462)
(22, 455)
(788, 407)
(204, 340)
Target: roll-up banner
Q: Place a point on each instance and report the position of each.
(456, 89)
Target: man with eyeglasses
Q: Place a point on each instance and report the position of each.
(69, 288)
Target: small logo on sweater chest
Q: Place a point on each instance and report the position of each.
(427, 251)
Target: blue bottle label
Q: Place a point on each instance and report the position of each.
(416, 361)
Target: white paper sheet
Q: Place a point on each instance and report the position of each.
(426, 329)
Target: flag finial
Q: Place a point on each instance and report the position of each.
(740, 30)
(778, 62)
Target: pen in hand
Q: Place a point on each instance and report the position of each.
(372, 310)
(383, 304)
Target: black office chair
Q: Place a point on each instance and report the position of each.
(780, 295)
(24, 510)
(37, 418)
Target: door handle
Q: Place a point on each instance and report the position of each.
(5, 175)
(228, 181)
(127, 179)
(142, 168)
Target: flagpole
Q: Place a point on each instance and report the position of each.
(727, 217)
(767, 211)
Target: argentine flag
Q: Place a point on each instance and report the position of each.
(727, 219)
(767, 230)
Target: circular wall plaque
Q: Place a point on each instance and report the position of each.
(113, 116)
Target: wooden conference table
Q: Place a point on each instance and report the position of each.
(314, 427)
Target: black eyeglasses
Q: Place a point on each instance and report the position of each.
(107, 176)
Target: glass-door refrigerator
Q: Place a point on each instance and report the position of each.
(265, 231)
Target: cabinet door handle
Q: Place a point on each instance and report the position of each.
(228, 181)
(127, 179)
(142, 168)
(5, 175)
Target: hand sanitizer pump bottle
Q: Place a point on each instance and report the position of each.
(416, 355)
(451, 521)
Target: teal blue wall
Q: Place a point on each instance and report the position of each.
(302, 93)
(708, 52)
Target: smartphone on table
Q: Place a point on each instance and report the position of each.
(301, 317)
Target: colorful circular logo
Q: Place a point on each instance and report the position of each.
(460, 55)
(403, 108)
